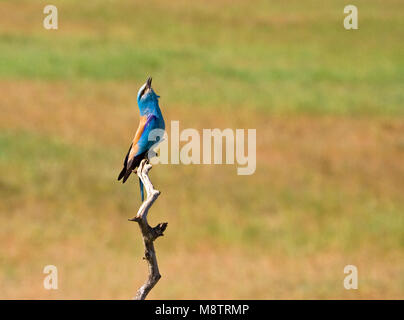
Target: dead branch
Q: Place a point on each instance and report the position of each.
(149, 234)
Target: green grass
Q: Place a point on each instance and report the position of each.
(272, 58)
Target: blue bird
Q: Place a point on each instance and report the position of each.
(150, 118)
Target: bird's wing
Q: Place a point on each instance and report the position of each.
(144, 143)
(125, 162)
(140, 143)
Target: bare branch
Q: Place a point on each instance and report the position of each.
(149, 234)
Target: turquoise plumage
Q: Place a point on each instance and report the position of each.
(151, 118)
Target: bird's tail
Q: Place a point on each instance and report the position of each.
(126, 175)
(141, 189)
(122, 173)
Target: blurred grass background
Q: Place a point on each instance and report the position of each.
(327, 104)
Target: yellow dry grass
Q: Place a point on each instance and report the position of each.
(327, 192)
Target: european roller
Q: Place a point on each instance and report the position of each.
(150, 118)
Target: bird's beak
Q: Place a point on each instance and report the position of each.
(148, 83)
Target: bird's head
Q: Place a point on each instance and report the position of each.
(146, 97)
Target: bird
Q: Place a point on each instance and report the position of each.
(150, 118)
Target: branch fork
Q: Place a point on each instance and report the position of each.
(149, 233)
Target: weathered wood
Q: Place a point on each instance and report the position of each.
(149, 234)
